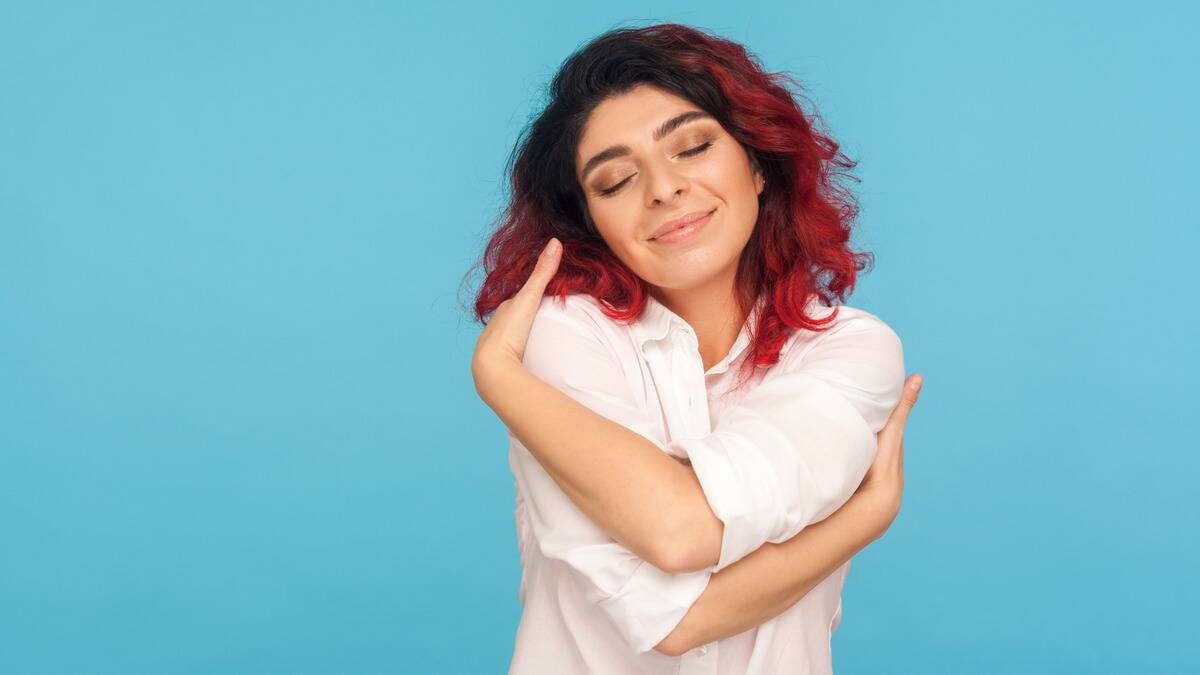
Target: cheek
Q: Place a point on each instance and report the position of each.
(619, 240)
(731, 169)
(617, 224)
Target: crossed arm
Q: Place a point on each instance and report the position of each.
(716, 571)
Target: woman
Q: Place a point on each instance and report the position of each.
(671, 517)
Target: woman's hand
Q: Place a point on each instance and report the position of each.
(502, 342)
(884, 482)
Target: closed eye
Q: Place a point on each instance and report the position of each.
(699, 149)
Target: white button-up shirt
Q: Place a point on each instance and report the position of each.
(785, 451)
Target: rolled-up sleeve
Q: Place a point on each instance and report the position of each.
(643, 602)
(796, 447)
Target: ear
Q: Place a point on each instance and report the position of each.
(760, 178)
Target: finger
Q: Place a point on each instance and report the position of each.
(545, 269)
(523, 305)
(908, 398)
(547, 263)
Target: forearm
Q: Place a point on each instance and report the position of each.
(774, 577)
(639, 495)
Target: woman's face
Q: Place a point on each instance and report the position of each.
(636, 182)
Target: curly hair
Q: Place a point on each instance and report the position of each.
(800, 245)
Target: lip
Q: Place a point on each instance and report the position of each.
(695, 217)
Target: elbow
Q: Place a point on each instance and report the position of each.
(663, 549)
(692, 547)
(667, 554)
(689, 534)
(672, 558)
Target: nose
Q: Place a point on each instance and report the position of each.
(665, 185)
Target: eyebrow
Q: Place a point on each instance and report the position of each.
(615, 151)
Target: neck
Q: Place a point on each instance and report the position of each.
(713, 313)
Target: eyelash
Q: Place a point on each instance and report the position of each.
(699, 149)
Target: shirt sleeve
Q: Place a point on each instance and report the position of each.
(796, 447)
(643, 602)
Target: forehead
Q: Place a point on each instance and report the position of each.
(628, 118)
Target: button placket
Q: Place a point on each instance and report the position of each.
(697, 386)
(689, 394)
(681, 362)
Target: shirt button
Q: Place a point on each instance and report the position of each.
(702, 650)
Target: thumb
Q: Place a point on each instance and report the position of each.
(908, 398)
(529, 296)
(547, 265)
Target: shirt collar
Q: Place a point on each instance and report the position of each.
(657, 320)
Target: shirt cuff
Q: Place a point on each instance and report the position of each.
(737, 495)
(652, 603)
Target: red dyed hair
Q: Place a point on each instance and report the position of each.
(800, 244)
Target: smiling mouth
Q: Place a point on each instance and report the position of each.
(683, 226)
(685, 232)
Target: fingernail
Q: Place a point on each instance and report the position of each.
(554, 247)
(915, 385)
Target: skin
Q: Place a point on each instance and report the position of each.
(659, 182)
(640, 496)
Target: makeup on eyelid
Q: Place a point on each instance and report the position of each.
(693, 152)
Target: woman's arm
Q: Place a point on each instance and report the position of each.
(578, 365)
(642, 497)
(765, 583)
(786, 455)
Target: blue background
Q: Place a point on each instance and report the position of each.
(238, 431)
